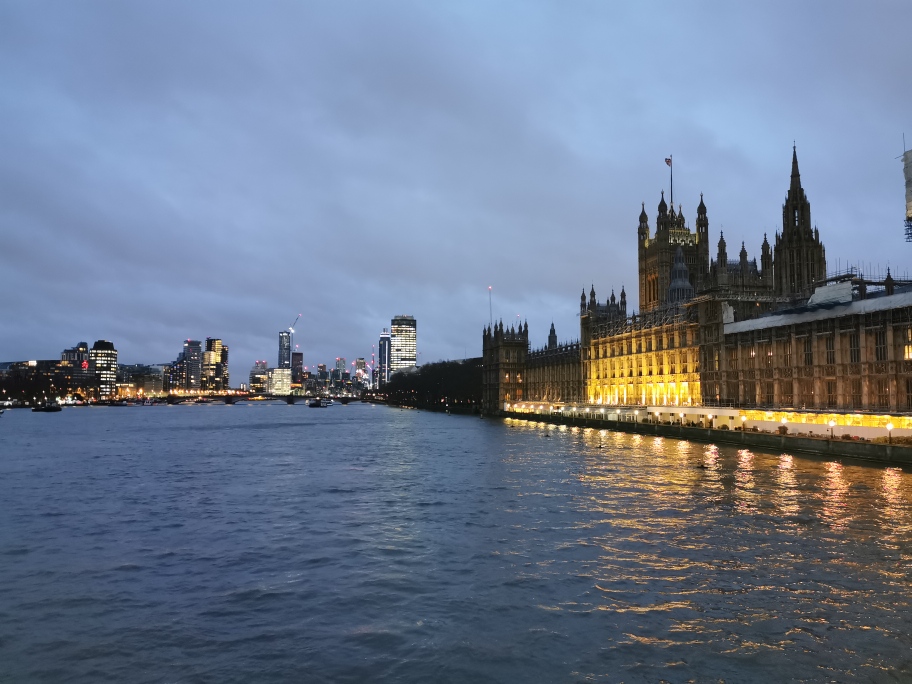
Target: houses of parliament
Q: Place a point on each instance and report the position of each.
(722, 331)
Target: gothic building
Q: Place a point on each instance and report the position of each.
(704, 335)
(798, 256)
(657, 252)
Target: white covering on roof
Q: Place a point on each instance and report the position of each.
(859, 306)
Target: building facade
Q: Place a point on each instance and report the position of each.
(384, 358)
(775, 334)
(403, 343)
(103, 363)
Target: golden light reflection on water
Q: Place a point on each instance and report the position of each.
(745, 495)
(683, 544)
(835, 493)
(786, 496)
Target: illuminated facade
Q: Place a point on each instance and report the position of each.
(674, 350)
(214, 373)
(553, 372)
(259, 375)
(403, 343)
(278, 381)
(103, 363)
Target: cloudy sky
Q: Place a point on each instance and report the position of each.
(173, 170)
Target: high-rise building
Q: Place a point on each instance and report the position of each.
(193, 364)
(297, 367)
(285, 349)
(259, 376)
(383, 362)
(403, 343)
(103, 363)
(74, 365)
(215, 366)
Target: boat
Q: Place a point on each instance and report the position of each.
(315, 403)
(344, 400)
(325, 401)
(47, 407)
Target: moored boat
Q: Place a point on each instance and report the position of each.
(47, 407)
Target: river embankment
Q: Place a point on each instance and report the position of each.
(861, 450)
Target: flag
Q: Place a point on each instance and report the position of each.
(668, 160)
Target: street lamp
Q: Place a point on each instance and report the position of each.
(889, 433)
(710, 418)
(832, 425)
(636, 416)
(743, 420)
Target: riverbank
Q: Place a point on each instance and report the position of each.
(865, 451)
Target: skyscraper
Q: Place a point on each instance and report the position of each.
(103, 363)
(285, 349)
(383, 362)
(403, 343)
(297, 367)
(215, 366)
(193, 363)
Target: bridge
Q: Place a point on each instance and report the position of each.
(231, 399)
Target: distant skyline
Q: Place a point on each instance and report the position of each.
(178, 170)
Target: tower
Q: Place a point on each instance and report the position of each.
(798, 255)
(403, 343)
(383, 362)
(284, 349)
(504, 354)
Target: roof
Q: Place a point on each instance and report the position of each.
(823, 312)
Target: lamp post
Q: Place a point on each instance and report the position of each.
(832, 425)
(636, 416)
(743, 420)
(710, 417)
(889, 433)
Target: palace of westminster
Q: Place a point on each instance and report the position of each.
(716, 331)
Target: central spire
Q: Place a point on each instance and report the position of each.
(796, 177)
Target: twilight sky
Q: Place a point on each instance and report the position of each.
(173, 170)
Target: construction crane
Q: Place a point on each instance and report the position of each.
(291, 327)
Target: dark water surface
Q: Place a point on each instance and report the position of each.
(273, 543)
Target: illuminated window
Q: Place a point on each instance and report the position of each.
(907, 348)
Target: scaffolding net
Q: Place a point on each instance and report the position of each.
(907, 170)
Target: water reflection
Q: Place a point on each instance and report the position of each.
(835, 511)
(745, 496)
(786, 496)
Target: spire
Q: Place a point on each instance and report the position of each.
(796, 177)
(701, 208)
(663, 207)
(643, 217)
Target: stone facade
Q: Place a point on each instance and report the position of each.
(721, 332)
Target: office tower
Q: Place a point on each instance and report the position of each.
(215, 366)
(383, 362)
(278, 381)
(403, 343)
(193, 364)
(340, 364)
(258, 376)
(285, 349)
(103, 363)
(297, 367)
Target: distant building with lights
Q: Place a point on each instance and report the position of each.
(384, 358)
(103, 363)
(285, 349)
(403, 343)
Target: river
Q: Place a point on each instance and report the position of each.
(275, 543)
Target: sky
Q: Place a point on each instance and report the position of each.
(174, 169)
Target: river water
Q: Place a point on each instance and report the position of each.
(274, 543)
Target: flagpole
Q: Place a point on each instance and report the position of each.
(671, 170)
